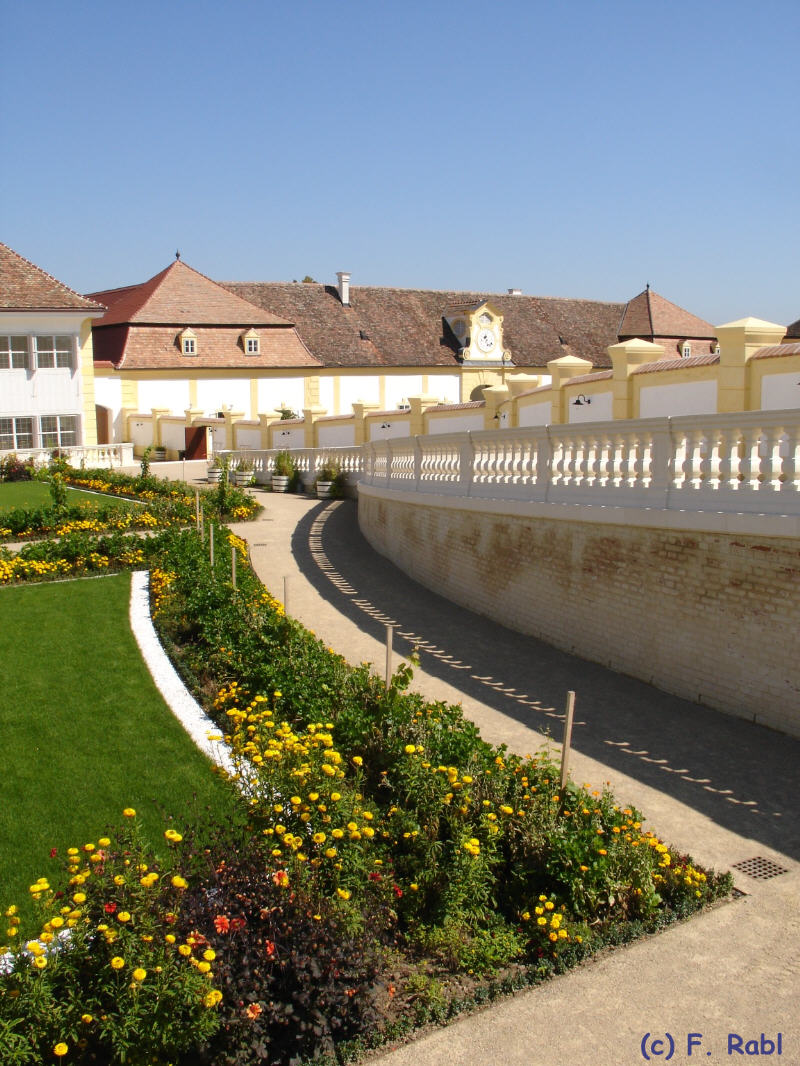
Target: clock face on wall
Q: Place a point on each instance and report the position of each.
(486, 340)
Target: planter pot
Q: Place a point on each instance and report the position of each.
(159, 455)
(214, 474)
(324, 489)
(280, 483)
(242, 477)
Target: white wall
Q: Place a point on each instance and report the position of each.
(536, 414)
(780, 391)
(326, 395)
(215, 393)
(455, 425)
(173, 435)
(364, 388)
(601, 408)
(289, 438)
(400, 388)
(171, 393)
(335, 434)
(690, 398)
(248, 437)
(446, 388)
(273, 393)
(394, 429)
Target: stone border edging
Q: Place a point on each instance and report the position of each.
(182, 704)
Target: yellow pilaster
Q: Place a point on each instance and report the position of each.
(737, 343)
(625, 357)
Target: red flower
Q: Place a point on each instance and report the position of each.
(253, 1010)
(237, 923)
(269, 947)
(221, 924)
(53, 852)
(375, 876)
(109, 908)
(397, 891)
(281, 878)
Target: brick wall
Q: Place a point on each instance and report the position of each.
(710, 616)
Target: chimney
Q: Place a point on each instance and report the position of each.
(344, 287)
(515, 292)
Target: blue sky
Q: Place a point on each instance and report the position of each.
(578, 149)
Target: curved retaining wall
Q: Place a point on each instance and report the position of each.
(705, 606)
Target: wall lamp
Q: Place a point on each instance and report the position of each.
(386, 425)
(284, 433)
(580, 400)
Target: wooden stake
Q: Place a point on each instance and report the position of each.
(388, 655)
(211, 543)
(233, 564)
(286, 596)
(567, 741)
(197, 507)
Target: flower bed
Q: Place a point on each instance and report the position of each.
(394, 867)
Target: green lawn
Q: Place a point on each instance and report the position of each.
(85, 732)
(36, 494)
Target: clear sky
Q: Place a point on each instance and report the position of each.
(577, 149)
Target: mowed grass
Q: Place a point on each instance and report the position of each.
(26, 494)
(85, 732)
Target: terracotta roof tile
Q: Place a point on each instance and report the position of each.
(649, 315)
(180, 295)
(773, 351)
(793, 330)
(583, 379)
(405, 327)
(158, 347)
(676, 364)
(26, 287)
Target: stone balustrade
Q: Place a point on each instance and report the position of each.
(90, 456)
(738, 463)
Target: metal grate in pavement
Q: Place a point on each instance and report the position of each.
(759, 868)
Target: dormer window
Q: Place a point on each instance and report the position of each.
(188, 341)
(252, 345)
(686, 350)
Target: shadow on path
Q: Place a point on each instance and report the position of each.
(742, 776)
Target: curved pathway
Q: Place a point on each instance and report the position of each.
(718, 786)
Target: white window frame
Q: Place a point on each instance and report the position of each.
(253, 346)
(14, 358)
(189, 346)
(61, 430)
(686, 350)
(11, 431)
(59, 346)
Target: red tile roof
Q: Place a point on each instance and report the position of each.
(26, 287)
(159, 348)
(676, 364)
(774, 351)
(405, 327)
(649, 315)
(180, 295)
(793, 330)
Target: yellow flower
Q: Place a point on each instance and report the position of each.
(104, 842)
(203, 967)
(344, 893)
(185, 950)
(117, 963)
(123, 917)
(212, 998)
(60, 1049)
(129, 812)
(209, 955)
(179, 882)
(358, 760)
(409, 749)
(139, 974)
(336, 796)
(40, 962)
(86, 1019)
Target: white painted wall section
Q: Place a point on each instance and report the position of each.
(536, 414)
(599, 410)
(333, 434)
(215, 393)
(455, 425)
(172, 393)
(398, 389)
(361, 389)
(780, 392)
(274, 393)
(689, 398)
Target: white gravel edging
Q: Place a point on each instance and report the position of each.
(182, 704)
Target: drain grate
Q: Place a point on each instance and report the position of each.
(759, 868)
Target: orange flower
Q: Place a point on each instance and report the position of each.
(221, 924)
(253, 1010)
(281, 878)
